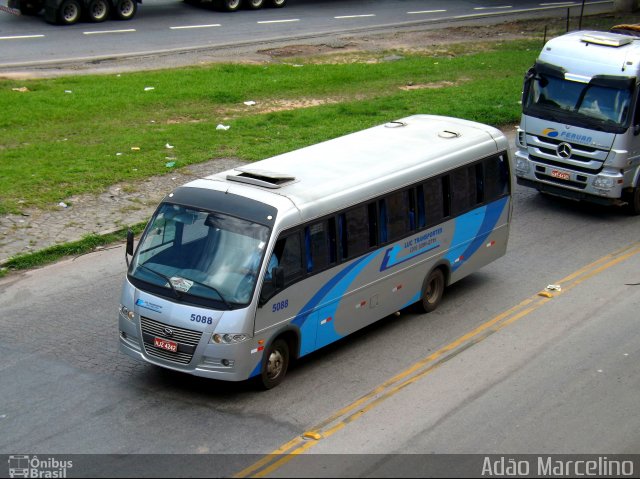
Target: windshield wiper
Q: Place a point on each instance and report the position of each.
(226, 303)
(166, 278)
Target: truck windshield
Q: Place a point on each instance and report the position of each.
(592, 105)
(199, 256)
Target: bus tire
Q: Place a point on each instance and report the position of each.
(98, 10)
(633, 201)
(276, 3)
(69, 12)
(125, 9)
(432, 291)
(274, 364)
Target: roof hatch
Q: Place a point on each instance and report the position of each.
(264, 178)
(606, 39)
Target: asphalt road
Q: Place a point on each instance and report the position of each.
(496, 369)
(173, 26)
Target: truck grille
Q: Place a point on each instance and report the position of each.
(565, 166)
(584, 158)
(187, 340)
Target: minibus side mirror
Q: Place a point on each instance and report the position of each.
(129, 249)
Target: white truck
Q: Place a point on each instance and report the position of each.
(68, 12)
(579, 135)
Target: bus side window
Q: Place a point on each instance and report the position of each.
(464, 189)
(356, 231)
(399, 212)
(317, 239)
(479, 184)
(496, 177)
(290, 259)
(434, 197)
(287, 257)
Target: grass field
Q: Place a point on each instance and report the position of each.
(80, 134)
(65, 136)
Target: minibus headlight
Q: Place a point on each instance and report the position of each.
(124, 311)
(228, 338)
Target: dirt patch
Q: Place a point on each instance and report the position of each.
(289, 51)
(430, 86)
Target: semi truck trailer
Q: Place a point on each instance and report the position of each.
(68, 12)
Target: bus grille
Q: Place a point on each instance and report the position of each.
(187, 340)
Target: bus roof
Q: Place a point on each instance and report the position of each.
(361, 165)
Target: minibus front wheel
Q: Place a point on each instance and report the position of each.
(275, 364)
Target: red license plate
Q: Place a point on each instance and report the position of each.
(165, 344)
(562, 175)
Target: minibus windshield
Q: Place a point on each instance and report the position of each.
(200, 256)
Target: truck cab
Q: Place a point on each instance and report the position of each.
(579, 135)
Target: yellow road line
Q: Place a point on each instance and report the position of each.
(425, 366)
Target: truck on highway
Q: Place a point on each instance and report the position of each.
(68, 12)
(579, 134)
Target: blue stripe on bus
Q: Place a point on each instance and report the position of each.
(333, 289)
(330, 293)
(477, 224)
(391, 256)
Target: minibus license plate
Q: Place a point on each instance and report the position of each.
(562, 175)
(165, 344)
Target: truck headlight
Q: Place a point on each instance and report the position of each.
(522, 165)
(603, 182)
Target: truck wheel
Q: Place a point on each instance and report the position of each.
(432, 291)
(32, 7)
(69, 12)
(634, 201)
(274, 364)
(98, 10)
(125, 9)
(254, 4)
(227, 5)
(277, 3)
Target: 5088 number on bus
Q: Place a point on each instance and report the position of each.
(201, 319)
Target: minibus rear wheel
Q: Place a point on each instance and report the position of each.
(432, 291)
